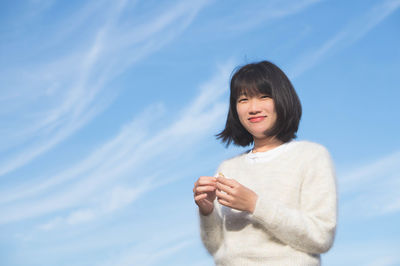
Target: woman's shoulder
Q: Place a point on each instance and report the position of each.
(234, 160)
(310, 149)
(309, 145)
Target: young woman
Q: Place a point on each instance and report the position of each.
(275, 204)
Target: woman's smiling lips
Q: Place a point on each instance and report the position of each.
(256, 119)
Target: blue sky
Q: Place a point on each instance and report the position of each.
(109, 111)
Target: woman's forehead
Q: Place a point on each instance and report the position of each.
(251, 91)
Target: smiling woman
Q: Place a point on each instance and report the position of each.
(256, 114)
(276, 204)
(281, 105)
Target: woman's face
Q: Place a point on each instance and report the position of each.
(257, 114)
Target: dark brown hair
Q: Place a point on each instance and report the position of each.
(262, 78)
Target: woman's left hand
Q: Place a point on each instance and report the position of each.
(232, 194)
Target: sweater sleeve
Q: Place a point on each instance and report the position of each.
(211, 230)
(311, 228)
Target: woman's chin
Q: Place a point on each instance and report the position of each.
(259, 136)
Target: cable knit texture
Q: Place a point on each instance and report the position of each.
(294, 219)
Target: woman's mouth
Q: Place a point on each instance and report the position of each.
(256, 119)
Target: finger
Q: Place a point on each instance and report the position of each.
(224, 188)
(200, 197)
(204, 192)
(224, 196)
(226, 181)
(203, 189)
(206, 180)
(224, 202)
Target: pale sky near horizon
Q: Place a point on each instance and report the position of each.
(109, 111)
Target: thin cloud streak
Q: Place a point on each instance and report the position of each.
(158, 247)
(352, 33)
(365, 253)
(372, 189)
(152, 256)
(118, 197)
(69, 111)
(249, 15)
(385, 261)
(130, 38)
(271, 11)
(127, 139)
(101, 60)
(368, 172)
(127, 156)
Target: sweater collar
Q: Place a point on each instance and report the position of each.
(270, 154)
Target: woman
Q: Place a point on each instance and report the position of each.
(276, 204)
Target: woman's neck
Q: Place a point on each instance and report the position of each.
(266, 144)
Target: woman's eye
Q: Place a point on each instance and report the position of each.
(242, 100)
(265, 96)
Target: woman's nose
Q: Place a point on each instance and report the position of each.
(254, 106)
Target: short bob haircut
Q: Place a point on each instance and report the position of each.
(262, 78)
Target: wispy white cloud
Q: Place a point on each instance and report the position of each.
(363, 252)
(130, 135)
(37, 7)
(62, 120)
(110, 180)
(371, 171)
(249, 15)
(372, 189)
(114, 199)
(354, 31)
(119, 160)
(120, 197)
(92, 68)
(150, 255)
(121, 238)
(386, 261)
(266, 11)
(203, 262)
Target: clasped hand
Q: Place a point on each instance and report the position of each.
(228, 192)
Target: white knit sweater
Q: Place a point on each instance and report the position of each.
(294, 219)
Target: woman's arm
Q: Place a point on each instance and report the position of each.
(210, 221)
(211, 230)
(312, 227)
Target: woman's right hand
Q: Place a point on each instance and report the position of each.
(204, 194)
